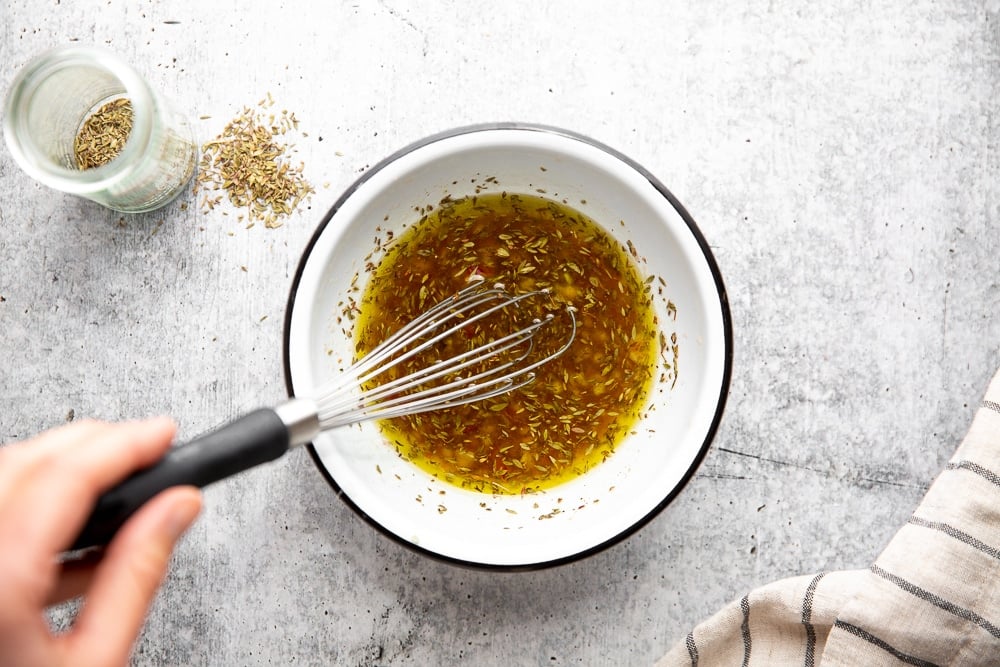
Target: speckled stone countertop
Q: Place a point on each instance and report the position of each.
(841, 159)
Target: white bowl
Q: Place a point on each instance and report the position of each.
(647, 469)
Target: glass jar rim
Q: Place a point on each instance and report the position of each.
(78, 181)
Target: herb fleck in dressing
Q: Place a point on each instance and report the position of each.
(581, 405)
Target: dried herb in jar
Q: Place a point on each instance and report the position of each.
(103, 134)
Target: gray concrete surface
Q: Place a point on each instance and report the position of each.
(840, 157)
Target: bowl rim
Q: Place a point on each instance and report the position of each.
(723, 300)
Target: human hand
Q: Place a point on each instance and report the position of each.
(48, 486)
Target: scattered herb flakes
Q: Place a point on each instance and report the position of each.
(250, 163)
(103, 134)
(676, 350)
(672, 310)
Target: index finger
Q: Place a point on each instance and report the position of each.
(62, 473)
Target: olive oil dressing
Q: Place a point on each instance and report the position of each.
(580, 406)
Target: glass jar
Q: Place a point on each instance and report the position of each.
(57, 92)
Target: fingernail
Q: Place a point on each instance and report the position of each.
(183, 514)
(159, 421)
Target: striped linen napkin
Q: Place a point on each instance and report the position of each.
(931, 598)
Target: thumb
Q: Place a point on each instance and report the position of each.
(129, 575)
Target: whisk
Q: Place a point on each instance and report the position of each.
(498, 366)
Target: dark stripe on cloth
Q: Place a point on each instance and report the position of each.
(875, 641)
(692, 649)
(938, 602)
(972, 466)
(992, 405)
(745, 629)
(807, 609)
(957, 534)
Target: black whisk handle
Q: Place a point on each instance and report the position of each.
(255, 438)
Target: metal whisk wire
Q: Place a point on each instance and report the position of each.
(344, 400)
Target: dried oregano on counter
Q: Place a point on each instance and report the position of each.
(252, 166)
